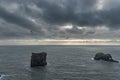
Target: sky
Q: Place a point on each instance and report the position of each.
(59, 19)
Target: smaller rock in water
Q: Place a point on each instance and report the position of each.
(38, 59)
(105, 57)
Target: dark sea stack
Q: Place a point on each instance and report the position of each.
(105, 57)
(38, 59)
(99, 56)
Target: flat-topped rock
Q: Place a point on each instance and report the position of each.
(38, 59)
(105, 57)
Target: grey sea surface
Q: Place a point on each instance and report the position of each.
(64, 63)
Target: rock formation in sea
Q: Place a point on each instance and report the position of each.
(105, 57)
(38, 59)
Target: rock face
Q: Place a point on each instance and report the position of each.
(105, 57)
(38, 59)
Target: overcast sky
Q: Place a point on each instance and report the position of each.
(59, 19)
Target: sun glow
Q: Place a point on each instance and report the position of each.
(66, 27)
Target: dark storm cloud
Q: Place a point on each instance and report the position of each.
(66, 12)
(11, 31)
(111, 17)
(79, 12)
(17, 19)
(60, 12)
(50, 15)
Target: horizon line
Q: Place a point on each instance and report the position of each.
(60, 42)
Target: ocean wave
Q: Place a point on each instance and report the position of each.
(2, 76)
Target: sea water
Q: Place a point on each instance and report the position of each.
(64, 63)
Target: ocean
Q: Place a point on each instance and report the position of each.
(64, 63)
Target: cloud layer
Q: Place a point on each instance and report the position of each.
(46, 19)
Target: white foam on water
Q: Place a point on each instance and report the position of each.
(2, 76)
(92, 58)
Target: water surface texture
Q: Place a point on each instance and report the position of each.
(64, 63)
